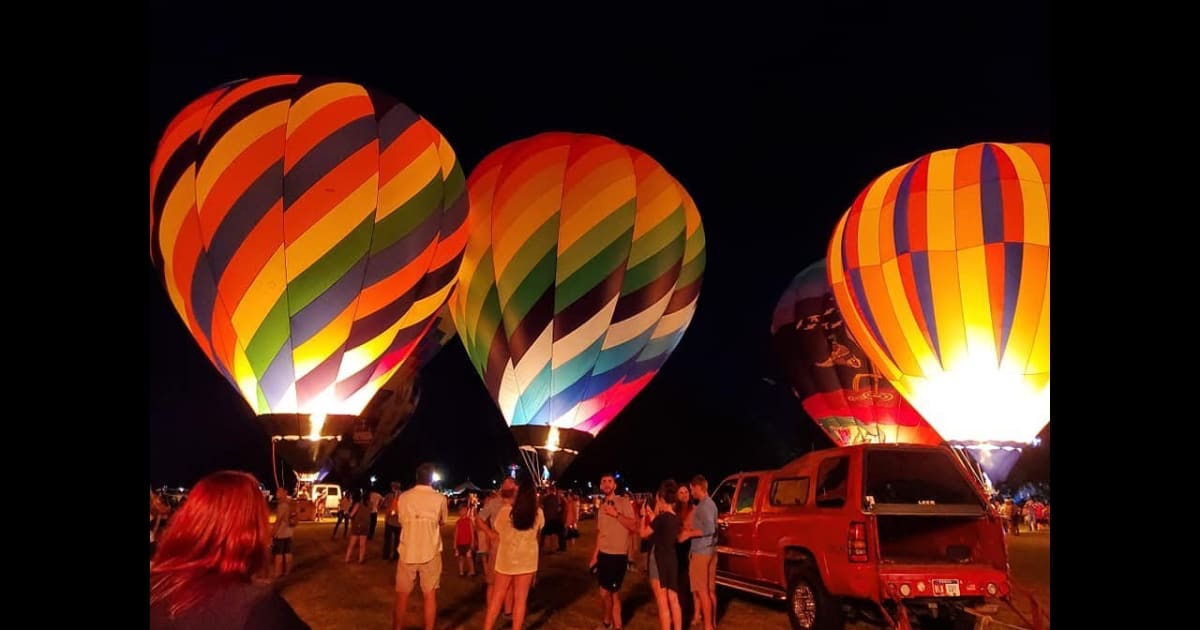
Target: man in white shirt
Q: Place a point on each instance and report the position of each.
(422, 512)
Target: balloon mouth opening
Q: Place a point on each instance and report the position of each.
(991, 461)
(548, 451)
(293, 427)
(988, 445)
(304, 444)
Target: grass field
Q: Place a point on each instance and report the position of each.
(330, 594)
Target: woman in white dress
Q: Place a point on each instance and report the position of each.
(519, 527)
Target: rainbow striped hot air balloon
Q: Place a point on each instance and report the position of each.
(307, 232)
(579, 279)
(942, 270)
(836, 384)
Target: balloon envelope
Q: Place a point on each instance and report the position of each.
(942, 269)
(836, 383)
(385, 417)
(579, 279)
(307, 231)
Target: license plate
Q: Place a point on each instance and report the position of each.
(946, 588)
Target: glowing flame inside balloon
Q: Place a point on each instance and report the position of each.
(552, 440)
(979, 398)
(317, 420)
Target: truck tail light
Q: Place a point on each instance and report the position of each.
(857, 542)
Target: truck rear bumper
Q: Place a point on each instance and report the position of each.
(900, 582)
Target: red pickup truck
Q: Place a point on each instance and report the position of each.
(892, 532)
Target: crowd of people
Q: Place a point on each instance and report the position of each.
(1033, 513)
(204, 566)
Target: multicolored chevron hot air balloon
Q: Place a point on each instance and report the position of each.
(307, 232)
(581, 274)
(942, 270)
(836, 383)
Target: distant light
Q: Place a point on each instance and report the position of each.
(589, 484)
(436, 477)
(617, 476)
(373, 480)
(494, 482)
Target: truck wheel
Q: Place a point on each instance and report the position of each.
(809, 606)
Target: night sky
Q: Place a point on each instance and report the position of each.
(773, 126)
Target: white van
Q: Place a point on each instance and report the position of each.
(333, 494)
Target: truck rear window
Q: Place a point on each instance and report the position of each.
(916, 477)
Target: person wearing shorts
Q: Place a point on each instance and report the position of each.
(464, 542)
(615, 522)
(422, 511)
(281, 533)
(702, 562)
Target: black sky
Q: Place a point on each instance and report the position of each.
(773, 125)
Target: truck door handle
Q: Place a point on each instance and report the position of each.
(722, 524)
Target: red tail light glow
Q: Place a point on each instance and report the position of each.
(857, 542)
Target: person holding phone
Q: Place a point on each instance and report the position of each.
(616, 524)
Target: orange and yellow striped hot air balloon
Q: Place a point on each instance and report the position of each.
(307, 231)
(942, 270)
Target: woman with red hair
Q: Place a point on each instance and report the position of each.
(201, 575)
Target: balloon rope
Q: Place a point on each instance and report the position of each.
(531, 459)
(274, 471)
(971, 465)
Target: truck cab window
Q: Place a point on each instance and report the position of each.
(723, 496)
(745, 499)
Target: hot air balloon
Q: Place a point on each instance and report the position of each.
(837, 385)
(307, 232)
(942, 270)
(580, 277)
(381, 422)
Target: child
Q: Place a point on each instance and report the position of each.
(319, 512)
(464, 537)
